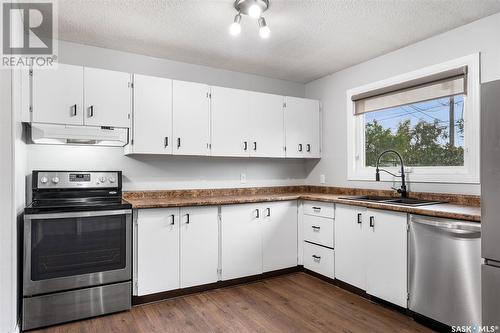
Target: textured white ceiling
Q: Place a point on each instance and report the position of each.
(309, 38)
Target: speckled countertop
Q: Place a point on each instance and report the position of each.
(462, 207)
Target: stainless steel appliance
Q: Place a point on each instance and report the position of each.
(490, 201)
(77, 247)
(444, 272)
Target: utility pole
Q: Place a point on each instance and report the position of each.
(452, 121)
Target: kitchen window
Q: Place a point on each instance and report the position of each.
(430, 116)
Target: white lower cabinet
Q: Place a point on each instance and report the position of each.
(199, 245)
(157, 250)
(371, 251)
(256, 238)
(319, 259)
(176, 248)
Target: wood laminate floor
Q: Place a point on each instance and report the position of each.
(292, 303)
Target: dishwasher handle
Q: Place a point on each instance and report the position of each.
(452, 226)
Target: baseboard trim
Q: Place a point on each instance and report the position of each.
(138, 300)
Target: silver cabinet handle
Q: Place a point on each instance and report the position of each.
(166, 142)
(91, 111)
(315, 228)
(172, 217)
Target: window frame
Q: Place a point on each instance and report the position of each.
(466, 174)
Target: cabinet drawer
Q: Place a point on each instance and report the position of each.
(319, 259)
(319, 230)
(319, 209)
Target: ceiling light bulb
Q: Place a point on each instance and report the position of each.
(264, 30)
(235, 27)
(254, 11)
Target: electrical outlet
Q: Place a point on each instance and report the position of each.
(322, 179)
(243, 178)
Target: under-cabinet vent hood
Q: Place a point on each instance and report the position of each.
(78, 135)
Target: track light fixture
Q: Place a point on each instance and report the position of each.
(254, 9)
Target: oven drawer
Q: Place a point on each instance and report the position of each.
(319, 230)
(319, 259)
(316, 208)
(66, 306)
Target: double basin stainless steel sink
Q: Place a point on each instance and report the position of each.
(393, 201)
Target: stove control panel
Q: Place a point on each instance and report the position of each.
(76, 179)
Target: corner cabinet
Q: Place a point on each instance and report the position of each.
(302, 127)
(76, 95)
(371, 251)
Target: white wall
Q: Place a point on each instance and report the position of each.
(168, 172)
(480, 36)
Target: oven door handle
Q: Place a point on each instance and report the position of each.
(77, 214)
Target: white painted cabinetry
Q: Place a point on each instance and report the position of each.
(176, 248)
(107, 97)
(191, 118)
(76, 95)
(57, 95)
(258, 238)
(371, 251)
(157, 250)
(229, 127)
(199, 245)
(152, 116)
(302, 127)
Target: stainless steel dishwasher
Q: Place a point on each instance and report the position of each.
(445, 270)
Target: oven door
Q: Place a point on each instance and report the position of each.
(71, 250)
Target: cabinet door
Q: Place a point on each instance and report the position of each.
(266, 128)
(152, 130)
(199, 241)
(191, 118)
(107, 98)
(229, 127)
(386, 267)
(241, 242)
(58, 95)
(302, 127)
(157, 250)
(279, 235)
(351, 250)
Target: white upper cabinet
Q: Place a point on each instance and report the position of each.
(302, 127)
(199, 245)
(157, 250)
(107, 97)
(191, 118)
(279, 235)
(386, 267)
(265, 122)
(229, 127)
(152, 116)
(58, 95)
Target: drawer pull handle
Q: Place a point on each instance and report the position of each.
(372, 222)
(268, 212)
(257, 213)
(360, 220)
(316, 258)
(316, 208)
(300, 147)
(172, 219)
(308, 148)
(315, 228)
(187, 219)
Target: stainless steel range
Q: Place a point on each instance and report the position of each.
(77, 247)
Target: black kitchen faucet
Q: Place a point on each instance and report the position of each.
(402, 190)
